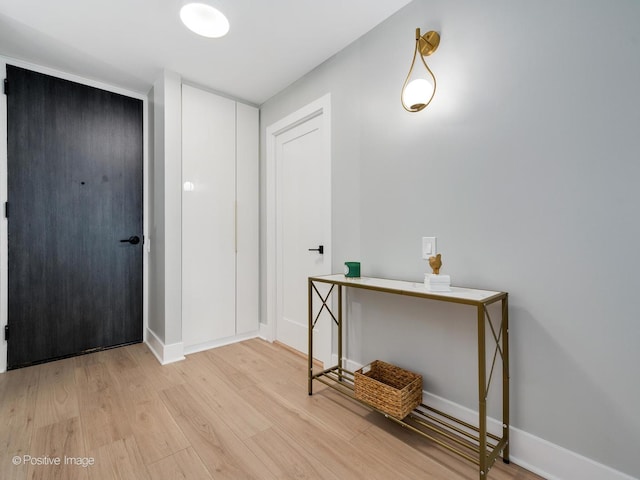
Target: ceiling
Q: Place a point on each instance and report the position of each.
(128, 43)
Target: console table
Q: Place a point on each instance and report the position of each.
(470, 441)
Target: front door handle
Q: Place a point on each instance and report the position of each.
(320, 249)
(134, 240)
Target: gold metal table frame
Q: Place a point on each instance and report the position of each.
(472, 442)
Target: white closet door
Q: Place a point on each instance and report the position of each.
(208, 217)
(248, 237)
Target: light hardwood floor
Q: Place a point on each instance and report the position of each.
(236, 412)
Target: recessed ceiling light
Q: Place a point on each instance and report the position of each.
(204, 20)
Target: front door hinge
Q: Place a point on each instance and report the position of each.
(6, 332)
(6, 209)
(6, 86)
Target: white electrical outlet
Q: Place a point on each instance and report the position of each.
(428, 247)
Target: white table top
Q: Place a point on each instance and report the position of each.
(418, 289)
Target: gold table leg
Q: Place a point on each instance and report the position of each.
(310, 334)
(505, 377)
(482, 396)
(340, 332)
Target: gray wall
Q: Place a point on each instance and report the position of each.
(156, 210)
(526, 167)
(165, 273)
(155, 213)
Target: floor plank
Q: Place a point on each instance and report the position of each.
(214, 390)
(285, 458)
(221, 450)
(57, 395)
(58, 442)
(185, 464)
(18, 395)
(101, 407)
(154, 427)
(118, 460)
(241, 411)
(347, 460)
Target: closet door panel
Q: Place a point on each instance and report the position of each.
(208, 217)
(247, 186)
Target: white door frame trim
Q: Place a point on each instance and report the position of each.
(321, 106)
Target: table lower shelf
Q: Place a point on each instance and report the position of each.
(453, 434)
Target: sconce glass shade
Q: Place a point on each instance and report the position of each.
(419, 87)
(204, 20)
(417, 94)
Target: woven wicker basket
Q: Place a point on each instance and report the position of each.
(388, 388)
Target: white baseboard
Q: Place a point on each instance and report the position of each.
(220, 343)
(554, 462)
(266, 333)
(537, 455)
(3, 356)
(164, 353)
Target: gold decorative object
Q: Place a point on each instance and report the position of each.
(435, 263)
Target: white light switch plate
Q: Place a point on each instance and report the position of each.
(428, 247)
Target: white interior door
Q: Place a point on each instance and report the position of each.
(303, 213)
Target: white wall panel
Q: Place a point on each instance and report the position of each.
(247, 191)
(208, 216)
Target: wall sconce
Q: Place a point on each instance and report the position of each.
(420, 87)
